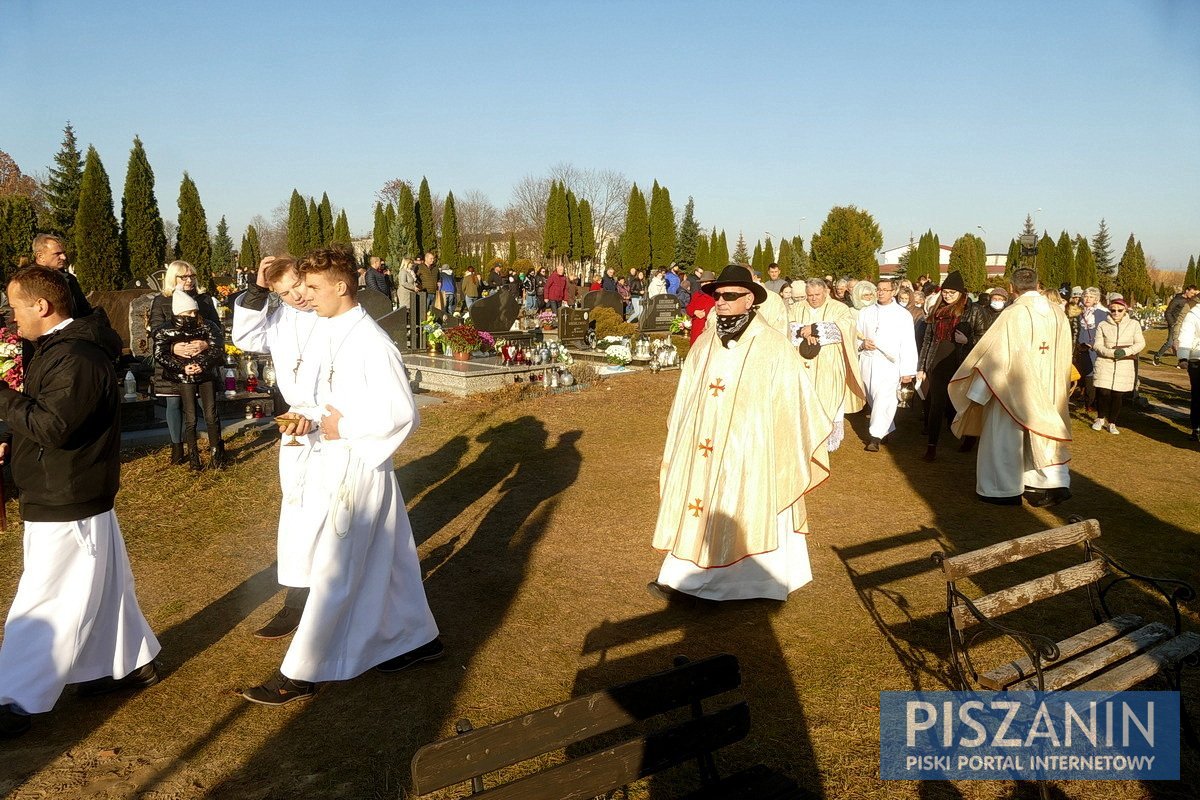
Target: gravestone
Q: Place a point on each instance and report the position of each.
(497, 312)
(573, 326)
(600, 298)
(395, 325)
(375, 303)
(118, 306)
(659, 311)
(143, 284)
(140, 343)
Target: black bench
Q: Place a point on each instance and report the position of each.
(474, 753)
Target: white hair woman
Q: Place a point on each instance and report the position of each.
(1085, 326)
(180, 277)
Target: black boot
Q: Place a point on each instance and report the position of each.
(930, 453)
(194, 457)
(219, 460)
(177, 456)
(1195, 437)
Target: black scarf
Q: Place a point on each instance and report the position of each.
(729, 329)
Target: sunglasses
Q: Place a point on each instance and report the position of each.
(729, 297)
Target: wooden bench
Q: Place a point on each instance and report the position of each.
(1115, 654)
(474, 753)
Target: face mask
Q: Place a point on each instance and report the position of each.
(903, 303)
(998, 305)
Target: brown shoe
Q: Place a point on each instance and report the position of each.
(279, 690)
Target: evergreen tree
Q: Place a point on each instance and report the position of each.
(512, 248)
(341, 229)
(847, 243)
(1064, 260)
(721, 253)
(1028, 228)
(756, 259)
(550, 230)
(1189, 279)
(785, 259)
(297, 225)
(389, 222)
(928, 258)
(379, 232)
(1085, 264)
(97, 242)
(740, 254)
(449, 238)
(768, 253)
(702, 257)
(1044, 262)
(1132, 278)
(635, 242)
(325, 219)
(251, 251)
(314, 225)
(1013, 258)
(662, 227)
(426, 232)
(689, 237)
(193, 245)
(1102, 250)
(143, 241)
(587, 231)
(569, 232)
(18, 226)
(222, 250)
(612, 255)
(969, 256)
(62, 187)
(406, 217)
(799, 266)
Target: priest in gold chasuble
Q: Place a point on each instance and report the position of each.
(746, 441)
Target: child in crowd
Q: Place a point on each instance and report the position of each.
(193, 375)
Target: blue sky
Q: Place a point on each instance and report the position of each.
(943, 115)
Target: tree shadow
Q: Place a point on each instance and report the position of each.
(379, 719)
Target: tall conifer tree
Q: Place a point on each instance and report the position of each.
(426, 232)
(402, 241)
(251, 251)
(314, 225)
(587, 231)
(449, 239)
(740, 254)
(785, 259)
(1102, 250)
(18, 226)
(62, 186)
(568, 226)
(635, 242)
(689, 237)
(297, 226)
(1085, 264)
(1189, 278)
(406, 216)
(968, 255)
(550, 230)
(768, 253)
(341, 229)
(612, 255)
(1013, 258)
(1044, 262)
(513, 255)
(193, 244)
(325, 219)
(97, 242)
(1064, 260)
(222, 249)
(662, 227)
(799, 259)
(143, 241)
(756, 260)
(702, 257)
(721, 253)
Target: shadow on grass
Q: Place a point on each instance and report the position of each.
(355, 731)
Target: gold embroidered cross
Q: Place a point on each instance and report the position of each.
(706, 448)
(717, 387)
(696, 507)
(1044, 347)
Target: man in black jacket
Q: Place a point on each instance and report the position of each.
(75, 617)
(1175, 311)
(50, 251)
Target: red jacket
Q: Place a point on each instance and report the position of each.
(556, 287)
(703, 303)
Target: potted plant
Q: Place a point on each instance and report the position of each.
(434, 335)
(462, 340)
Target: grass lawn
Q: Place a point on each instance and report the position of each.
(533, 519)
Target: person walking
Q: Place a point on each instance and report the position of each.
(1119, 339)
(941, 353)
(1172, 316)
(887, 350)
(1189, 353)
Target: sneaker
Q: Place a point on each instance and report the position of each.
(282, 624)
(426, 652)
(141, 678)
(1113, 429)
(12, 722)
(279, 690)
(1098, 425)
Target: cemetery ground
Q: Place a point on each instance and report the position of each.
(533, 517)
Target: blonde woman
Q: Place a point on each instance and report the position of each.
(180, 277)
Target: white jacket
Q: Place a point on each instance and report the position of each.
(1188, 344)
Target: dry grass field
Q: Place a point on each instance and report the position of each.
(533, 517)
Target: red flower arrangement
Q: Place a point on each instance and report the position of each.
(12, 368)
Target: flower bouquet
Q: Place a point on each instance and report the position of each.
(434, 334)
(618, 355)
(12, 368)
(547, 319)
(463, 338)
(680, 324)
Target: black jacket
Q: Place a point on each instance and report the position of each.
(171, 366)
(161, 314)
(975, 323)
(1175, 310)
(66, 425)
(379, 281)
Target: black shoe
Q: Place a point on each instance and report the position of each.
(194, 458)
(1195, 437)
(1000, 501)
(284, 623)
(144, 676)
(1154, 358)
(426, 652)
(930, 453)
(12, 724)
(219, 460)
(1044, 498)
(279, 690)
(872, 446)
(177, 456)
(660, 591)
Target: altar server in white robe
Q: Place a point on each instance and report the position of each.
(1011, 391)
(366, 606)
(75, 617)
(291, 334)
(887, 353)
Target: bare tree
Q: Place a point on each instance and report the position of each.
(390, 193)
(607, 191)
(529, 200)
(476, 214)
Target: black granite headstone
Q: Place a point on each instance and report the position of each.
(602, 299)
(573, 325)
(497, 312)
(395, 325)
(375, 303)
(117, 305)
(659, 311)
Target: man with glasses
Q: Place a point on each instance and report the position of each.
(887, 357)
(745, 442)
(1011, 392)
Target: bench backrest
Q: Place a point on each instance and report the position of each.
(1003, 601)
(457, 760)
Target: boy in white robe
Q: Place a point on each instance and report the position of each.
(75, 617)
(292, 335)
(366, 606)
(887, 358)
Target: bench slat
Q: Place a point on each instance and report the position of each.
(999, 678)
(1100, 659)
(1023, 594)
(461, 758)
(1147, 665)
(586, 777)
(1013, 550)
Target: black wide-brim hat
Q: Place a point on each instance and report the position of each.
(736, 275)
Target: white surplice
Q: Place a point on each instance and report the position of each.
(366, 602)
(895, 355)
(75, 616)
(293, 338)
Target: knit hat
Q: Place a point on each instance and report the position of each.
(954, 281)
(1117, 300)
(999, 292)
(182, 302)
